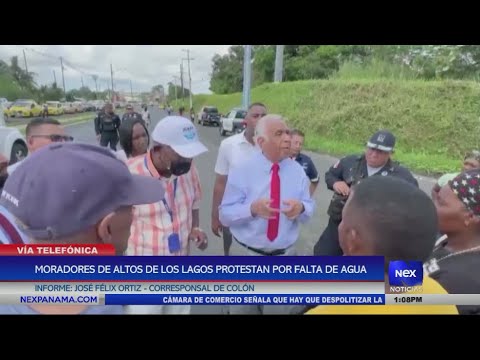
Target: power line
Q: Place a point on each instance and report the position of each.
(67, 64)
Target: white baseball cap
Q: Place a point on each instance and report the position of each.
(180, 134)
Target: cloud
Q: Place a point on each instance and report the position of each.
(143, 65)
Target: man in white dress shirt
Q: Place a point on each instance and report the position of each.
(265, 200)
(233, 151)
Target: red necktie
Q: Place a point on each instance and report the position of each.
(272, 231)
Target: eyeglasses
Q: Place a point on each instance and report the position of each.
(55, 137)
(258, 116)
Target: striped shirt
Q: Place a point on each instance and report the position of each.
(5, 237)
(152, 224)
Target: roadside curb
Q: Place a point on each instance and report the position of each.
(65, 122)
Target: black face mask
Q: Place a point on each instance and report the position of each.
(179, 168)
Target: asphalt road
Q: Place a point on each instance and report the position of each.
(205, 163)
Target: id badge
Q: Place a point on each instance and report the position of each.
(174, 243)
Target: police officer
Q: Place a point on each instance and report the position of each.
(106, 127)
(305, 161)
(131, 114)
(376, 161)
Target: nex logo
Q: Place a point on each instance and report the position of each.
(405, 273)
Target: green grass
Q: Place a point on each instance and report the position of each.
(64, 120)
(435, 122)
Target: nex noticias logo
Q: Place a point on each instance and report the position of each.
(405, 273)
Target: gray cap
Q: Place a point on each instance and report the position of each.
(66, 188)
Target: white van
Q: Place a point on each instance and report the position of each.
(12, 143)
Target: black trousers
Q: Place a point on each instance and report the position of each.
(109, 137)
(328, 244)
(227, 240)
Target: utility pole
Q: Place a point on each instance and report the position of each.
(247, 76)
(63, 78)
(175, 86)
(131, 89)
(111, 74)
(189, 77)
(95, 78)
(54, 77)
(279, 63)
(82, 81)
(181, 81)
(25, 59)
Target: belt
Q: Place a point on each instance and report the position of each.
(276, 252)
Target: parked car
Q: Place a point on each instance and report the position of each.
(12, 143)
(6, 109)
(79, 106)
(89, 106)
(25, 108)
(209, 116)
(99, 104)
(233, 122)
(69, 108)
(55, 108)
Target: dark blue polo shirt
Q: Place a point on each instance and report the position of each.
(308, 166)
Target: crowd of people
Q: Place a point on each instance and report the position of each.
(145, 200)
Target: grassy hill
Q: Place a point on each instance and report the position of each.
(435, 122)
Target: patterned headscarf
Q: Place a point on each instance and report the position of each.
(466, 186)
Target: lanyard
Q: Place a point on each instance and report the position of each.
(167, 207)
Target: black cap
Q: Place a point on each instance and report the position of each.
(382, 140)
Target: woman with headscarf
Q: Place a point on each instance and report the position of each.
(455, 261)
(134, 139)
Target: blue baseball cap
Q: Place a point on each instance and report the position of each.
(382, 140)
(66, 188)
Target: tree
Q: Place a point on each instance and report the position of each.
(24, 80)
(50, 93)
(264, 64)
(227, 71)
(179, 94)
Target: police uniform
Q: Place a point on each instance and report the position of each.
(352, 169)
(106, 125)
(309, 167)
(133, 116)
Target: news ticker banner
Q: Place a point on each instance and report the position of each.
(238, 299)
(219, 293)
(50, 274)
(192, 268)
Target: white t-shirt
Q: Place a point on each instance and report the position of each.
(146, 116)
(232, 152)
(372, 171)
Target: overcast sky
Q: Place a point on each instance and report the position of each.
(144, 65)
